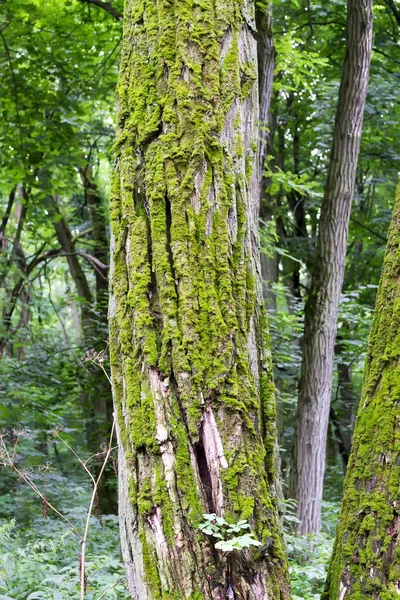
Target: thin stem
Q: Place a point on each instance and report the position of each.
(111, 587)
(15, 448)
(106, 374)
(29, 482)
(77, 457)
(97, 454)
(92, 500)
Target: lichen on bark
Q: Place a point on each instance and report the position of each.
(191, 368)
(366, 556)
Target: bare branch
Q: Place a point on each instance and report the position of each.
(107, 6)
(7, 214)
(111, 587)
(92, 501)
(396, 12)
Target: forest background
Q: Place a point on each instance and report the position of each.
(59, 64)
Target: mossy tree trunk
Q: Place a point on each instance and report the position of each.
(191, 370)
(365, 561)
(323, 300)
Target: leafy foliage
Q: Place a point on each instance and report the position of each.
(46, 566)
(220, 529)
(309, 555)
(59, 62)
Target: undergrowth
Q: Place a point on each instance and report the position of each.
(309, 555)
(39, 556)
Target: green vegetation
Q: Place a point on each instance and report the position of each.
(70, 173)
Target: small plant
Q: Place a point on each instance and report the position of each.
(226, 533)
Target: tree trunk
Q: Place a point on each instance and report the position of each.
(323, 301)
(96, 397)
(348, 404)
(99, 237)
(64, 238)
(266, 63)
(365, 561)
(192, 379)
(16, 262)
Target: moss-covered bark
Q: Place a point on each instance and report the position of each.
(366, 557)
(191, 368)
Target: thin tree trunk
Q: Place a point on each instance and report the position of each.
(297, 204)
(5, 219)
(103, 402)
(16, 258)
(266, 63)
(99, 236)
(323, 301)
(191, 371)
(97, 397)
(339, 438)
(66, 242)
(348, 403)
(365, 562)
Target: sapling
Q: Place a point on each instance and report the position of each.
(227, 533)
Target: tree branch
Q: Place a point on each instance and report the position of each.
(344, 452)
(375, 233)
(396, 13)
(107, 6)
(6, 215)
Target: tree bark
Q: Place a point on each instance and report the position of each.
(191, 369)
(365, 560)
(5, 219)
(323, 301)
(266, 63)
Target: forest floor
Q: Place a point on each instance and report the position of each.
(39, 553)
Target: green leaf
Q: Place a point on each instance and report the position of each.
(210, 517)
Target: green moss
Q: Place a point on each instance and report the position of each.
(144, 499)
(365, 543)
(185, 280)
(161, 498)
(150, 569)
